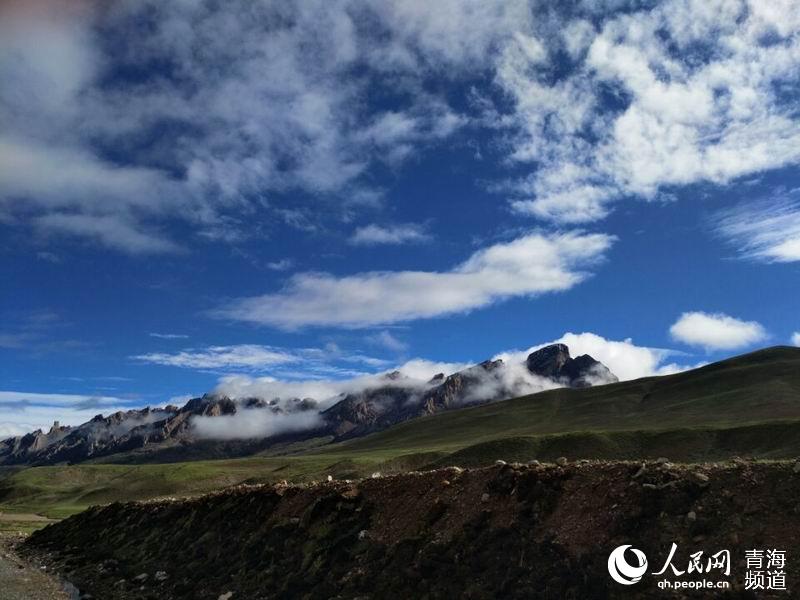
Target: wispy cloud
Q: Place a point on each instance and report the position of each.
(386, 340)
(405, 233)
(169, 336)
(243, 356)
(766, 230)
(37, 332)
(283, 264)
(528, 266)
(292, 363)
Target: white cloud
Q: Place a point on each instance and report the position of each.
(169, 336)
(8, 430)
(688, 91)
(283, 264)
(111, 230)
(371, 235)
(528, 266)
(291, 363)
(716, 331)
(246, 356)
(221, 125)
(386, 340)
(22, 412)
(416, 372)
(796, 338)
(253, 423)
(766, 231)
(625, 359)
(683, 92)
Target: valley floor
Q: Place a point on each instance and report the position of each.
(22, 580)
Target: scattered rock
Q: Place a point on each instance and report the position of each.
(225, 596)
(376, 474)
(141, 578)
(649, 486)
(485, 497)
(562, 461)
(642, 470)
(691, 516)
(330, 477)
(161, 576)
(363, 534)
(701, 477)
(796, 467)
(662, 461)
(500, 463)
(534, 463)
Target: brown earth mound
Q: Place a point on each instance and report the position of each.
(508, 531)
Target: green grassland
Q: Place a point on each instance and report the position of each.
(747, 406)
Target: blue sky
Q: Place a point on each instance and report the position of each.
(196, 195)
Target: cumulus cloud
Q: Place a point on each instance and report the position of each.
(372, 235)
(766, 231)
(528, 266)
(796, 338)
(624, 358)
(655, 96)
(716, 331)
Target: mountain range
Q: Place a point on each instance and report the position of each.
(171, 433)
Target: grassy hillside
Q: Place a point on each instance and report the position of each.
(747, 406)
(755, 388)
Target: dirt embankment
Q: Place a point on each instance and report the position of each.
(507, 531)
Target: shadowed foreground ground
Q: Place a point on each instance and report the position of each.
(507, 531)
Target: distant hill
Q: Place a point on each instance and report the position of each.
(757, 388)
(171, 433)
(747, 406)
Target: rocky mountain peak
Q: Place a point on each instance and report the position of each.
(555, 362)
(548, 361)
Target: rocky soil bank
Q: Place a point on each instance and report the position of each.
(507, 531)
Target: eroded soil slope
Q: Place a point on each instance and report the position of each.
(507, 531)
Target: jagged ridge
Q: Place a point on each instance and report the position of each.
(396, 400)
